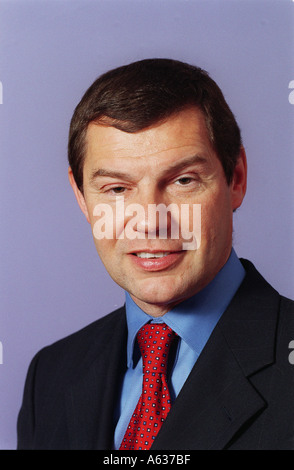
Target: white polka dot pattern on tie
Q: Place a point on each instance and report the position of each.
(154, 404)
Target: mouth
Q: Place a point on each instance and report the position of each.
(148, 255)
(156, 260)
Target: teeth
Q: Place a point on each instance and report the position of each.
(152, 255)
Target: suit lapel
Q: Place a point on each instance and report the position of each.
(93, 397)
(218, 399)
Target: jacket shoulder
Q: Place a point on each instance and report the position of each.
(287, 305)
(99, 326)
(68, 356)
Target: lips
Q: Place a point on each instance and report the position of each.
(156, 260)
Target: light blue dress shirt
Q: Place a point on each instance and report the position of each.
(193, 320)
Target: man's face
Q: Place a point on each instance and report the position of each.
(169, 163)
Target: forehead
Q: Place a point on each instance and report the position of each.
(181, 134)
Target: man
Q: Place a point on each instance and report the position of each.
(159, 134)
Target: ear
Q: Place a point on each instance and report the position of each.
(239, 182)
(78, 194)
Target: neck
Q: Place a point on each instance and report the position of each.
(153, 310)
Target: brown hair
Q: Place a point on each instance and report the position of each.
(136, 96)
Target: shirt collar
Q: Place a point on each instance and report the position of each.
(195, 318)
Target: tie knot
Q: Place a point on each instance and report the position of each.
(154, 340)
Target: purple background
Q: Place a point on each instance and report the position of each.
(52, 282)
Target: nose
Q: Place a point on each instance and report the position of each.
(150, 217)
(147, 221)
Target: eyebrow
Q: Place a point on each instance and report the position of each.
(110, 174)
(188, 161)
(185, 162)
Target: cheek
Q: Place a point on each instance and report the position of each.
(216, 218)
(105, 249)
(107, 220)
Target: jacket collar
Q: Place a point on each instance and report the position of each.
(249, 325)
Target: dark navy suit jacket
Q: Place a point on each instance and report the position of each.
(239, 395)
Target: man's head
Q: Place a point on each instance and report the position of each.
(158, 132)
(143, 93)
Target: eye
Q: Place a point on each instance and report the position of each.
(185, 180)
(118, 190)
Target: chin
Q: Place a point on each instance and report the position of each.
(159, 293)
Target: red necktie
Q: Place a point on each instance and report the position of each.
(154, 404)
